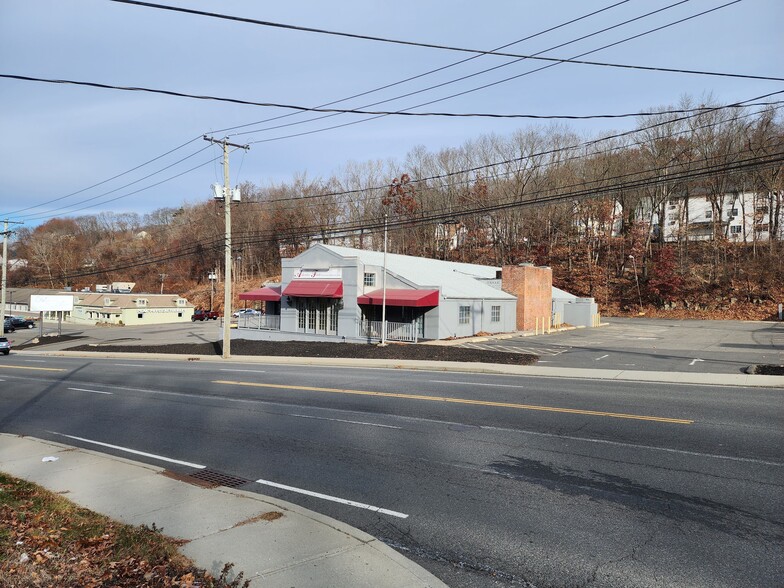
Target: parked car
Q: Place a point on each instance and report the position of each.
(8, 326)
(246, 312)
(20, 322)
(5, 346)
(203, 315)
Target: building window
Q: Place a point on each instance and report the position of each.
(672, 216)
(735, 229)
(495, 314)
(370, 279)
(464, 315)
(708, 214)
(141, 302)
(179, 315)
(140, 315)
(734, 212)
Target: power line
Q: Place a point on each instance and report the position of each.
(342, 110)
(429, 72)
(720, 168)
(448, 47)
(485, 86)
(534, 35)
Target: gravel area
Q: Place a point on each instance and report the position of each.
(318, 349)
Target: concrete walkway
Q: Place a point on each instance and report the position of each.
(275, 543)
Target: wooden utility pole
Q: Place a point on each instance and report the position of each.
(227, 197)
(3, 286)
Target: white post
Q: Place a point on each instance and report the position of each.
(384, 287)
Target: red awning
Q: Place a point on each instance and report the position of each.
(268, 293)
(400, 297)
(315, 288)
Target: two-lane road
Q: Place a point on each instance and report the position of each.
(484, 480)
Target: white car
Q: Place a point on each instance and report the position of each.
(245, 312)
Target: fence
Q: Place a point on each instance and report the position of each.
(395, 331)
(268, 322)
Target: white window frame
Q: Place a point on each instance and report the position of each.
(464, 315)
(495, 314)
(369, 279)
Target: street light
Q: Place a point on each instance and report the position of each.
(212, 277)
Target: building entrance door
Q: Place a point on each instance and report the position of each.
(318, 316)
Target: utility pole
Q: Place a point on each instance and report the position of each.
(227, 198)
(3, 286)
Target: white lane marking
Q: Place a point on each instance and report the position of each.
(602, 357)
(476, 384)
(130, 364)
(134, 451)
(305, 416)
(377, 509)
(693, 361)
(639, 446)
(93, 391)
(35, 360)
(246, 371)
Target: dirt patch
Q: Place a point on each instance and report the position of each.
(322, 349)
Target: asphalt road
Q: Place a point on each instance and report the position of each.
(484, 480)
(655, 344)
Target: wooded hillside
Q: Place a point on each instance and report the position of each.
(586, 207)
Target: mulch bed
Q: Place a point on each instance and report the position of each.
(767, 370)
(320, 349)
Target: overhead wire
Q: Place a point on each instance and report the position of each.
(445, 47)
(719, 168)
(598, 11)
(482, 87)
(431, 71)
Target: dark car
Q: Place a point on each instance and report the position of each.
(20, 322)
(8, 326)
(5, 346)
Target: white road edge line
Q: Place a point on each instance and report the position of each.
(476, 384)
(245, 371)
(134, 451)
(130, 364)
(393, 513)
(93, 391)
(306, 416)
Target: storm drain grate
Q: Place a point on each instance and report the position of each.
(209, 479)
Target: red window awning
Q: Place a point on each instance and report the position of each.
(315, 289)
(270, 294)
(400, 297)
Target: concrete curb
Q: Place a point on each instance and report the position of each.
(220, 525)
(743, 380)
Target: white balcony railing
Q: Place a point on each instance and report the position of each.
(268, 322)
(395, 331)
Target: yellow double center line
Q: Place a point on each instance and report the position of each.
(617, 415)
(38, 369)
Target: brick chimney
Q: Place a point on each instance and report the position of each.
(533, 287)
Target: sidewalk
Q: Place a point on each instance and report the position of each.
(222, 525)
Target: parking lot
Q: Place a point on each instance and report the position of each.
(654, 344)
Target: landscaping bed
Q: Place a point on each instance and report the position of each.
(322, 349)
(46, 540)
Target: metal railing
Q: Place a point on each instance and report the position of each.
(395, 331)
(268, 322)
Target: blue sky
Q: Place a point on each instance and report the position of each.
(61, 139)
